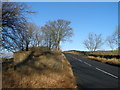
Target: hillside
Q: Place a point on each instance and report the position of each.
(41, 69)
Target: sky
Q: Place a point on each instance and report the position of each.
(62, 0)
(85, 17)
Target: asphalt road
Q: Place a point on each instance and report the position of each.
(93, 74)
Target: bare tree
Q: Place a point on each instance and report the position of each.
(93, 42)
(28, 34)
(111, 43)
(48, 35)
(113, 40)
(31, 36)
(13, 17)
(35, 34)
(56, 32)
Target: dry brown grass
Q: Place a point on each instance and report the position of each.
(42, 70)
(76, 53)
(104, 60)
(113, 52)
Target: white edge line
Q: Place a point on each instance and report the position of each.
(107, 73)
(98, 69)
(88, 64)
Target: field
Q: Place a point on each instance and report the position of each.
(114, 52)
(46, 69)
(110, 57)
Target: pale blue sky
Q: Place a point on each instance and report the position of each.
(62, 0)
(86, 17)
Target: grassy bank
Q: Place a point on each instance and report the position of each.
(111, 57)
(114, 52)
(46, 69)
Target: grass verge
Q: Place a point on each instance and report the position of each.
(47, 69)
(115, 61)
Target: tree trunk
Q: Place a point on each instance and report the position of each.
(27, 47)
(58, 45)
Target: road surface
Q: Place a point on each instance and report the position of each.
(93, 74)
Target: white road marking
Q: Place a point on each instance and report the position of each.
(97, 68)
(88, 64)
(107, 73)
(80, 60)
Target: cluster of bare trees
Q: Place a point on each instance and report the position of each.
(56, 32)
(19, 34)
(94, 41)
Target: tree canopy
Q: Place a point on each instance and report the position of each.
(56, 32)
